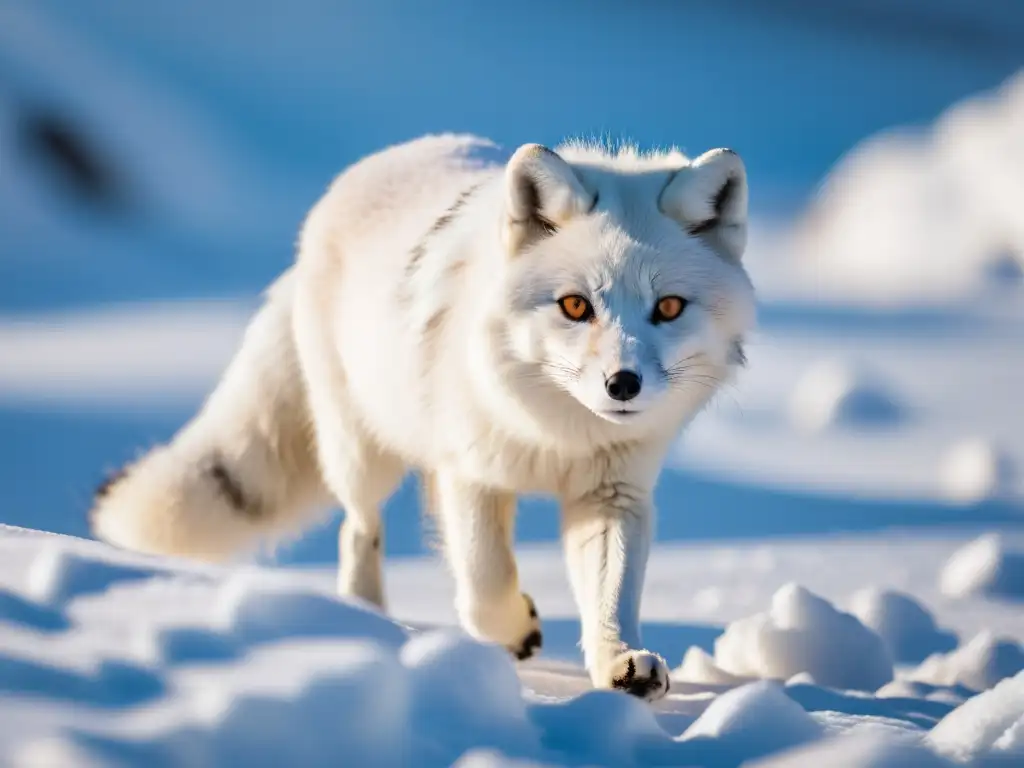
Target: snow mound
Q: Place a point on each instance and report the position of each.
(984, 567)
(257, 609)
(58, 574)
(902, 688)
(57, 752)
(699, 668)
(906, 627)
(168, 646)
(874, 750)
(469, 692)
(833, 393)
(751, 721)
(979, 664)
(975, 470)
(941, 206)
(604, 728)
(15, 609)
(987, 730)
(805, 633)
(115, 356)
(490, 758)
(354, 702)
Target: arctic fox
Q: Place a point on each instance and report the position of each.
(540, 322)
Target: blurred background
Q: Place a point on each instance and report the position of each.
(157, 159)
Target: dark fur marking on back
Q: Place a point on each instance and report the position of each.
(419, 250)
(448, 216)
(229, 487)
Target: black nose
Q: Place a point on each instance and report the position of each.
(623, 385)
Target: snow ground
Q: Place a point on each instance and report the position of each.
(838, 577)
(131, 660)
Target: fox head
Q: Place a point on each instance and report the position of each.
(625, 282)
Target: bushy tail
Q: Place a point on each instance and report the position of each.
(244, 469)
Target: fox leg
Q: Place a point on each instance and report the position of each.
(477, 525)
(361, 477)
(606, 534)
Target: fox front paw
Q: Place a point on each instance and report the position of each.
(513, 623)
(532, 641)
(640, 673)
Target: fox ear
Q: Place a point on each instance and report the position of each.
(709, 198)
(542, 192)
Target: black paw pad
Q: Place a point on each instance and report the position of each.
(530, 645)
(639, 686)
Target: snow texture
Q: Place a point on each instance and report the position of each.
(832, 394)
(753, 720)
(985, 567)
(248, 658)
(803, 633)
(974, 470)
(962, 179)
(978, 664)
(988, 730)
(906, 627)
(858, 751)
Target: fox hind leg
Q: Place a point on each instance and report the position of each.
(361, 477)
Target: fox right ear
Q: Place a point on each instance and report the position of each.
(542, 192)
(709, 198)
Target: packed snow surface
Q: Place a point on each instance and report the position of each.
(212, 665)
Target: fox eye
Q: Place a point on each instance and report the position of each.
(668, 309)
(576, 308)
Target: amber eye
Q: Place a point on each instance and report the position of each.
(576, 308)
(668, 309)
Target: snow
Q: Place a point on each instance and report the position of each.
(857, 751)
(468, 691)
(255, 609)
(984, 566)
(57, 575)
(753, 720)
(834, 394)
(975, 470)
(979, 663)
(963, 177)
(905, 626)
(987, 729)
(839, 559)
(129, 357)
(191, 658)
(803, 633)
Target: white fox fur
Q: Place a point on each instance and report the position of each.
(420, 329)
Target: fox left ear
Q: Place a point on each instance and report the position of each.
(709, 198)
(542, 192)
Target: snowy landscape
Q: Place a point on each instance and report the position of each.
(838, 573)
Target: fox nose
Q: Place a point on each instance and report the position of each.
(623, 385)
